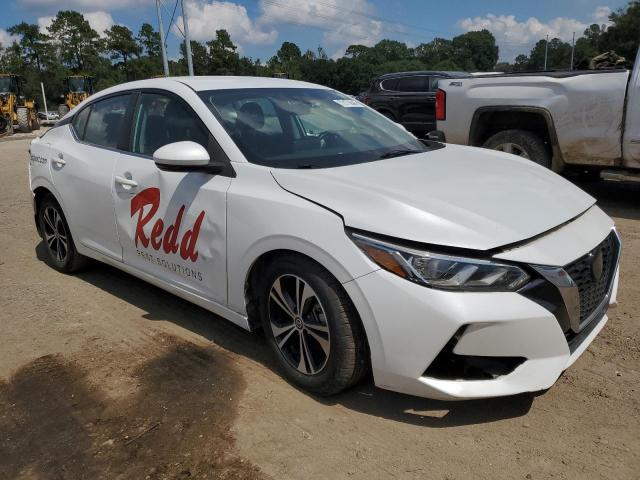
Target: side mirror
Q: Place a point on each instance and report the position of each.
(181, 156)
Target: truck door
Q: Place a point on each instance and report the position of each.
(631, 136)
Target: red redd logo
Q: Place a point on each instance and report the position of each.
(167, 239)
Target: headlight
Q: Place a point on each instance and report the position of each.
(442, 271)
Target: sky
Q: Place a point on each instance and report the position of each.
(259, 27)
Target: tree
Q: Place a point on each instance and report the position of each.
(623, 36)
(32, 42)
(475, 50)
(435, 52)
(79, 44)
(121, 44)
(149, 41)
(223, 58)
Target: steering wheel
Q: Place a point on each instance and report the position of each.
(329, 139)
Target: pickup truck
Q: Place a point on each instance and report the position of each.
(588, 118)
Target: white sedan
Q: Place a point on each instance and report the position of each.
(449, 272)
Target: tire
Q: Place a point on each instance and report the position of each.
(327, 315)
(35, 123)
(63, 110)
(522, 143)
(24, 120)
(65, 259)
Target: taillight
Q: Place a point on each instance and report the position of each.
(441, 105)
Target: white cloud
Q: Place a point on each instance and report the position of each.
(343, 25)
(99, 21)
(207, 17)
(6, 39)
(515, 37)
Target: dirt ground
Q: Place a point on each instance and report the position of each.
(104, 376)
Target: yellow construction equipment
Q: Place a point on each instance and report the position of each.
(78, 88)
(14, 108)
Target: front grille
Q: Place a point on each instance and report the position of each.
(592, 289)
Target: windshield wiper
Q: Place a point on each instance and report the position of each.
(399, 153)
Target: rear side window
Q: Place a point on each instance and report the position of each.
(390, 84)
(413, 84)
(106, 121)
(163, 119)
(80, 122)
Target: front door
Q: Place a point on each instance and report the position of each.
(171, 224)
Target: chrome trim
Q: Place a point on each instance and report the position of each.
(569, 290)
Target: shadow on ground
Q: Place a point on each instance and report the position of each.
(618, 199)
(365, 397)
(56, 424)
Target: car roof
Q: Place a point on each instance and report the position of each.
(214, 83)
(440, 73)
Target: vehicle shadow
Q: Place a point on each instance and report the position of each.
(617, 199)
(159, 305)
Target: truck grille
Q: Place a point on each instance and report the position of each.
(593, 274)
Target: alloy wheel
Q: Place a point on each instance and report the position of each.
(513, 148)
(55, 234)
(299, 324)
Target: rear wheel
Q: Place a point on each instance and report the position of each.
(24, 120)
(63, 110)
(60, 249)
(35, 123)
(388, 114)
(311, 326)
(521, 143)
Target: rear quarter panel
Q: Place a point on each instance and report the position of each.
(586, 109)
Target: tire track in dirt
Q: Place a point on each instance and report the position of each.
(57, 423)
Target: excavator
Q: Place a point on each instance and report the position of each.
(78, 88)
(14, 108)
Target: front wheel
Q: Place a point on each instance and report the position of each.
(312, 326)
(522, 143)
(60, 250)
(24, 119)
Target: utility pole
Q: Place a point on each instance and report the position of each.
(187, 39)
(573, 47)
(165, 63)
(546, 49)
(44, 100)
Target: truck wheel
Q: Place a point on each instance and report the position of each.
(24, 122)
(521, 143)
(63, 110)
(61, 251)
(35, 123)
(312, 326)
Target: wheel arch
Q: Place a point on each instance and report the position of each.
(40, 190)
(490, 120)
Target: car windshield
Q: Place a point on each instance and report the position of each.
(76, 85)
(307, 127)
(5, 84)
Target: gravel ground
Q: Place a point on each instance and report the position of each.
(104, 376)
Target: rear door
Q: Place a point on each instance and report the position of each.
(171, 224)
(416, 102)
(82, 162)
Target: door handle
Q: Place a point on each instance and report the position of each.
(126, 182)
(60, 160)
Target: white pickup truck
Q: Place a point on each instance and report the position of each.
(557, 119)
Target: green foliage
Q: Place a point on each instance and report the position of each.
(71, 46)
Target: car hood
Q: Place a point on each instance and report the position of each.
(454, 196)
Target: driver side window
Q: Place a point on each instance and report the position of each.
(163, 119)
